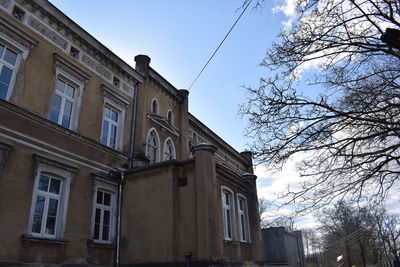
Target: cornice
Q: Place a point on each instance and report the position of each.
(68, 28)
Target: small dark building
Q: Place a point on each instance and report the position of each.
(281, 247)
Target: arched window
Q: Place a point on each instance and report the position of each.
(170, 117)
(227, 212)
(152, 146)
(169, 150)
(154, 106)
(243, 217)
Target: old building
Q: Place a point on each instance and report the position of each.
(102, 163)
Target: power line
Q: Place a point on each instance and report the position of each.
(248, 4)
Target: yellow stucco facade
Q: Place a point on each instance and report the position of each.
(81, 132)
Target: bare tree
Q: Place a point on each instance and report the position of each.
(388, 231)
(348, 134)
(263, 206)
(349, 231)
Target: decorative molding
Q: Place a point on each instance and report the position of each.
(48, 33)
(51, 162)
(108, 179)
(71, 68)
(5, 3)
(113, 96)
(17, 35)
(161, 121)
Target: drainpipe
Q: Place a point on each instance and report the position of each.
(121, 173)
(133, 128)
(119, 213)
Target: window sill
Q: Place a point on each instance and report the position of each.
(92, 243)
(29, 238)
(235, 242)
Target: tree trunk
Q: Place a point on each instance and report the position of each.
(362, 253)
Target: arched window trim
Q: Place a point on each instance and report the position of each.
(243, 222)
(229, 228)
(170, 120)
(169, 139)
(152, 107)
(157, 146)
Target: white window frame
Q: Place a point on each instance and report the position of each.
(165, 149)
(243, 217)
(158, 106)
(78, 85)
(110, 188)
(66, 178)
(172, 117)
(157, 159)
(120, 124)
(225, 208)
(21, 53)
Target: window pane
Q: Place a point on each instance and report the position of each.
(55, 186)
(99, 197)
(1, 51)
(241, 204)
(105, 232)
(55, 108)
(107, 199)
(37, 223)
(5, 76)
(60, 86)
(43, 183)
(106, 218)
(228, 223)
(67, 114)
(105, 133)
(98, 215)
(243, 223)
(53, 205)
(70, 91)
(3, 90)
(113, 135)
(10, 57)
(154, 107)
(169, 117)
(226, 199)
(107, 113)
(96, 231)
(39, 206)
(114, 116)
(50, 225)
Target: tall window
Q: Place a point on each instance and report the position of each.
(8, 65)
(111, 129)
(170, 117)
(154, 106)
(152, 146)
(243, 218)
(49, 200)
(227, 210)
(169, 150)
(46, 206)
(62, 103)
(104, 216)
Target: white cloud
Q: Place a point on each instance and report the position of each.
(289, 9)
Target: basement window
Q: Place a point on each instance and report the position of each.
(18, 13)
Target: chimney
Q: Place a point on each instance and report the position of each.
(142, 64)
